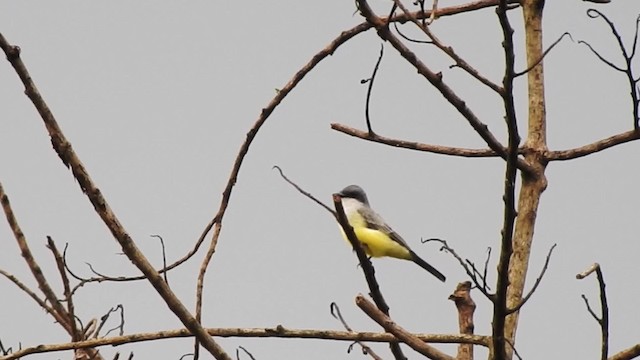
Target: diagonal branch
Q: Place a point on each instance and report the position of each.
(627, 354)
(70, 159)
(71, 314)
(402, 334)
(436, 80)
(367, 267)
(544, 55)
(459, 61)
(366, 349)
(59, 312)
(535, 285)
(321, 55)
(29, 292)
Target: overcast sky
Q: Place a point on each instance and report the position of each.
(156, 98)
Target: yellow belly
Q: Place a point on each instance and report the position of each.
(378, 244)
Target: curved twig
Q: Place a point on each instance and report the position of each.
(544, 54)
(370, 88)
(472, 273)
(337, 314)
(535, 285)
(628, 58)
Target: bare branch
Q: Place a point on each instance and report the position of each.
(459, 61)
(436, 149)
(303, 192)
(277, 332)
(69, 158)
(466, 307)
(535, 285)
(365, 265)
(370, 88)
(515, 75)
(589, 149)
(28, 291)
(587, 272)
(366, 350)
(628, 58)
(402, 334)
(603, 321)
(436, 80)
(59, 312)
(627, 354)
(164, 258)
(246, 352)
(216, 222)
(317, 58)
(75, 334)
(473, 275)
(500, 307)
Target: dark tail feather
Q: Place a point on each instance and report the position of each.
(423, 264)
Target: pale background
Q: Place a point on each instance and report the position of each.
(156, 98)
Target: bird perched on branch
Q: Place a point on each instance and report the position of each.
(376, 237)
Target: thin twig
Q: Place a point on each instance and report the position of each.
(459, 61)
(370, 88)
(603, 320)
(245, 351)
(535, 285)
(303, 192)
(544, 54)
(383, 320)
(335, 312)
(75, 334)
(28, 291)
(628, 59)
(58, 311)
(164, 258)
(473, 275)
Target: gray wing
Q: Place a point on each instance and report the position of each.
(376, 222)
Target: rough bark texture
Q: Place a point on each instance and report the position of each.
(535, 147)
(466, 307)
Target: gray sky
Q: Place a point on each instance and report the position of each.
(156, 98)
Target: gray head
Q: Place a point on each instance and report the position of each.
(354, 192)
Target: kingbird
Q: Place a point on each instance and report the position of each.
(376, 237)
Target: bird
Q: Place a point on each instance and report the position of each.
(376, 237)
